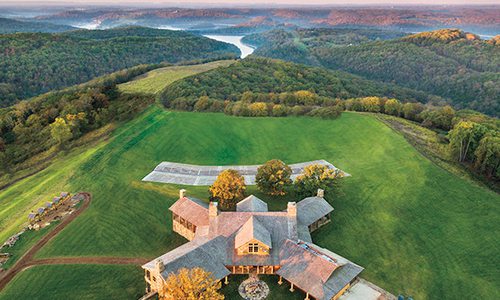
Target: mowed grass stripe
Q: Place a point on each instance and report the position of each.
(416, 228)
(155, 81)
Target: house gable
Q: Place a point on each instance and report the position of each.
(253, 238)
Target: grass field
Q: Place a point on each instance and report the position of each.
(29, 194)
(416, 228)
(155, 81)
(76, 282)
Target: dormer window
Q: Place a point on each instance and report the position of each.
(253, 238)
(253, 248)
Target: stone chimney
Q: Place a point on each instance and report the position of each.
(159, 266)
(182, 193)
(213, 211)
(292, 220)
(292, 209)
(321, 193)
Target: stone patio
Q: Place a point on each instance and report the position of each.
(185, 174)
(253, 289)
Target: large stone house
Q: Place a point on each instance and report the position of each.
(255, 240)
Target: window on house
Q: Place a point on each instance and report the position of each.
(253, 247)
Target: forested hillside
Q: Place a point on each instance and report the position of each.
(295, 45)
(450, 63)
(267, 78)
(12, 26)
(53, 119)
(33, 63)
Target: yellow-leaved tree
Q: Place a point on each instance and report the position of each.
(316, 177)
(273, 177)
(228, 189)
(190, 284)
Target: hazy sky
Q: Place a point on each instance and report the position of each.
(250, 2)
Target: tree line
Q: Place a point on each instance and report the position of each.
(452, 64)
(474, 138)
(34, 63)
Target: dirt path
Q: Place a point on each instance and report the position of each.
(28, 260)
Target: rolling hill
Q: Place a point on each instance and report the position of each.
(34, 63)
(452, 64)
(266, 76)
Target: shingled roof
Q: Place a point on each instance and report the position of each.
(327, 273)
(208, 254)
(191, 209)
(311, 209)
(251, 204)
(297, 260)
(321, 273)
(252, 230)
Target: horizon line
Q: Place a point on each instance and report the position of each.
(174, 4)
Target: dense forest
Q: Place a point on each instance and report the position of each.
(452, 64)
(267, 78)
(295, 45)
(13, 26)
(34, 63)
(321, 36)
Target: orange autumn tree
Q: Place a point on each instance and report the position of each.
(228, 189)
(191, 284)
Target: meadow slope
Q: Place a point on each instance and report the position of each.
(155, 81)
(416, 228)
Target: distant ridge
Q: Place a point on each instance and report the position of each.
(16, 26)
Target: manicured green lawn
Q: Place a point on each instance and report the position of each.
(155, 81)
(76, 282)
(416, 228)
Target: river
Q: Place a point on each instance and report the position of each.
(235, 40)
(230, 39)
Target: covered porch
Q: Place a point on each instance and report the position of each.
(269, 270)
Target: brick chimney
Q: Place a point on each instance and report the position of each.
(292, 209)
(321, 193)
(213, 211)
(182, 193)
